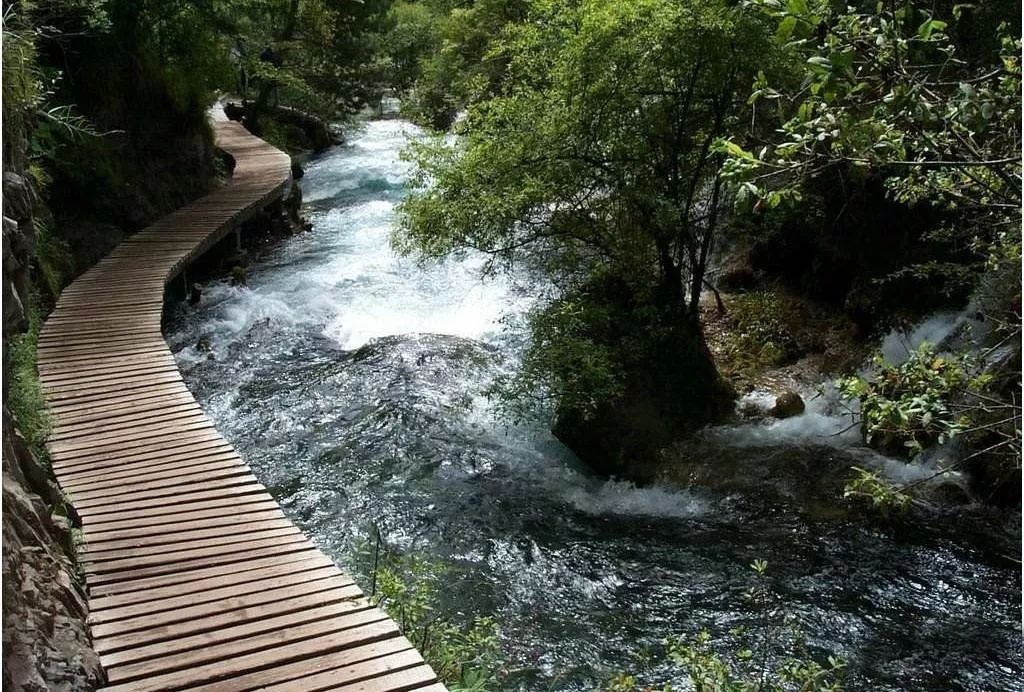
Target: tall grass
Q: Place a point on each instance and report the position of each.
(25, 396)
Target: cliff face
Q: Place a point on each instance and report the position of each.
(45, 638)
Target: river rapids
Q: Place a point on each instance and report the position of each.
(353, 382)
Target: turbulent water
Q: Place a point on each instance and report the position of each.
(353, 382)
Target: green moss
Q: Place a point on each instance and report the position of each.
(758, 335)
(55, 264)
(25, 397)
(773, 327)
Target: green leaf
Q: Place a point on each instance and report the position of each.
(929, 27)
(785, 29)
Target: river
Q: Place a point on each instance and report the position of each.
(353, 383)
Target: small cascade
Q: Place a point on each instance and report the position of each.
(829, 420)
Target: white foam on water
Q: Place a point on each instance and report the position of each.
(826, 420)
(374, 154)
(353, 287)
(622, 498)
(897, 346)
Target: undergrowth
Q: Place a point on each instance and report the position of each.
(463, 650)
(769, 655)
(25, 396)
(769, 328)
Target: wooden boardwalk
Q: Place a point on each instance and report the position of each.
(196, 578)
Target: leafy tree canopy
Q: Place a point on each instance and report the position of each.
(594, 157)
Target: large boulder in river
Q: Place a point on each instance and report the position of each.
(669, 386)
(787, 405)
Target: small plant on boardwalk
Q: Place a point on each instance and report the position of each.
(464, 652)
(771, 655)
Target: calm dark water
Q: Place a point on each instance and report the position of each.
(352, 381)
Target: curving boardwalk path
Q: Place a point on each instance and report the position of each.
(196, 578)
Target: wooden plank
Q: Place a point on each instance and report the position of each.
(130, 436)
(161, 503)
(96, 499)
(397, 671)
(105, 402)
(235, 610)
(167, 467)
(99, 557)
(152, 532)
(138, 568)
(217, 595)
(159, 593)
(290, 671)
(155, 447)
(154, 365)
(170, 539)
(342, 610)
(182, 472)
(230, 507)
(91, 431)
(184, 578)
(293, 634)
(284, 654)
(162, 398)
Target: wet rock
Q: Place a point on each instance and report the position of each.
(951, 494)
(196, 294)
(239, 277)
(737, 272)
(204, 344)
(19, 198)
(787, 405)
(45, 638)
(14, 309)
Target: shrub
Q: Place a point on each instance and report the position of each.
(463, 651)
(908, 407)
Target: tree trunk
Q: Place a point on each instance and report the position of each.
(256, 110)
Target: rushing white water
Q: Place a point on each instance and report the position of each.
(354, 380)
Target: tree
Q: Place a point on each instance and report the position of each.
(930, 106)
(888, 94)
(439, 54)
(316, 55)
(595, 162)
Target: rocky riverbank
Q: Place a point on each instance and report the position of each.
(45, 637)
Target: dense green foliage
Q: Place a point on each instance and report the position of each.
(929, 400)
(888, 93)
(591, 161)
(437, 54)
(611, 147)
(318, 56)
(907, 407)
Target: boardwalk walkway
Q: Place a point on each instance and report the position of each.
(196, 578)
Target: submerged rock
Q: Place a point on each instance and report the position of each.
(787, 405)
